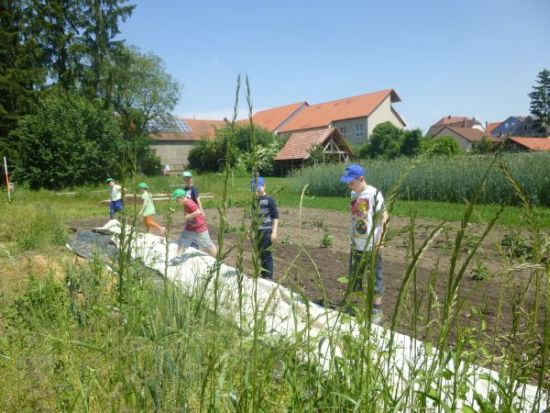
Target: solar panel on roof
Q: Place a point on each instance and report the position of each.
(167, 123)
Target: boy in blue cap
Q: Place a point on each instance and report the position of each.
(268, 223)
(368, 216)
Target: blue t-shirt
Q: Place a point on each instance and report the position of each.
(266, 208)
(192, 193)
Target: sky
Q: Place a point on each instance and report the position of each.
(477, 58)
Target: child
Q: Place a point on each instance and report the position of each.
(115, 205)
(148, 209)
(192, 190)
(268, 222)
(368, 216)
(196, 227)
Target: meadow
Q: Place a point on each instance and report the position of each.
(73, 337)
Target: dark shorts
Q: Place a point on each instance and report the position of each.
(115, 206)
(359, 264)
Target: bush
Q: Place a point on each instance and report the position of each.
(444, 146)
(212, 155)
(68, 141)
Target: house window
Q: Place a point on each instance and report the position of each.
(358, 129)
(343, 130)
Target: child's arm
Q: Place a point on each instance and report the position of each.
(193, 214)
(200, 205)
(275, 226)
(142, 208)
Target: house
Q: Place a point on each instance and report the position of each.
(491, 126)
(454, 121)
(275, 118)
(173, 138)
(300, 144)
(520, 143)
(516, 126)
(465, 137)
(355, 117)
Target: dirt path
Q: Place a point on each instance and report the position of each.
(303, 265)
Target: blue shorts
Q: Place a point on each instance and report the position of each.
(115, 206)
(359, 264)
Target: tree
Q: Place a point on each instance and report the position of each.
(68, 141)
(540, 102)
(22, 66)
(142, 89)
(233, 144)
(100, 27)
(484, 146)
(443, 146)
(412, 143)
(385, 141)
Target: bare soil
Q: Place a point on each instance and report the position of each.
(304, 266)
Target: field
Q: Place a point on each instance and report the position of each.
(161, 351)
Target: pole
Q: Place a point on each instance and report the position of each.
(7, 178)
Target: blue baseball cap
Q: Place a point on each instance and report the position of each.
(256, 181)
(352, 172)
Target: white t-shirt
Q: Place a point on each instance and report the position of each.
(116, 192)
(366, 206)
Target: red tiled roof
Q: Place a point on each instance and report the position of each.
(271, 119)
(458, 121)
(299, 144)
(533, 144)
(470, 134)
(492, 126)
(322, 114)
(200, 128)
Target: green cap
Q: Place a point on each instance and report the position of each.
(143, 185)
(187, 174)
(109, 180)
(179, 193)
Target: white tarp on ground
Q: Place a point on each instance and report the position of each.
(285, 314)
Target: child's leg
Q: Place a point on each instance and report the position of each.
(150, 223)
(266, 255)
(205, 243)
(146, 224)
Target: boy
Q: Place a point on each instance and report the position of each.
(268, 222)
(192, 190)
(115, 205)
(368, 216)
(148, 209)
(196, 227)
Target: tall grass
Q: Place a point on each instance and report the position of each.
(442, 179)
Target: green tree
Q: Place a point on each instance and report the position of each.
(443, 146)
(68, 141)
(484, 146)
(385, 141)
(540, 102)
(142, 89)
(412, 143)
(57, 24)
(22, 67)
(100, 27)
(213, 154)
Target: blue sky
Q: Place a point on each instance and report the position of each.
(464, 57)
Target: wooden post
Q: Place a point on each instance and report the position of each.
(7, 178)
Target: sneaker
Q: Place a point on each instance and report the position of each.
(377, 316)
(176, 260)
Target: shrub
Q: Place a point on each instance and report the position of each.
(68, 141)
